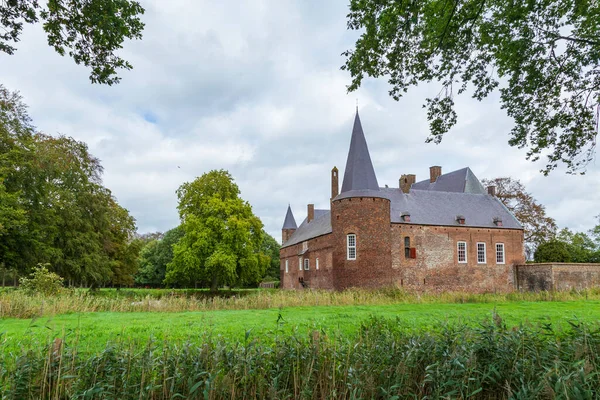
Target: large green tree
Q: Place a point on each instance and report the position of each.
(60, 212)
(89, 31)
(271, 247)
(538, 227)
(542, 55)
(222, 239)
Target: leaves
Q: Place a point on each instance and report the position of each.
(542, 56)
(89, 31)
(222, 239)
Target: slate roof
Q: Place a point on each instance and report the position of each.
(426, 207)
(459, 181)
(290, 222)
(359, 173)
(321, 225)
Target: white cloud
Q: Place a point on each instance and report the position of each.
(255, 87)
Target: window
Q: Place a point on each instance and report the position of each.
(462, 252)
(481, 253)
(499, 253)
(300, 263)
(287, 265)
(306, 264)
(317, 263)
(351, 241)
(406, 247)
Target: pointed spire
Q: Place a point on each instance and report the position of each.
(359, 173)
(290, 222)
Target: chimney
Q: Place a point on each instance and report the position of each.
(335, 189)
(434, 173)
(491, 190)
(406, 182)
(311, 213)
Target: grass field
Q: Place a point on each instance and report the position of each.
(287, 345)
(93, 330)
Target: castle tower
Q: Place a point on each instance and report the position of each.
(360, 221)
(289, 225)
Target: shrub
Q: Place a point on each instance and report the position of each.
(552, 251)
(42, 281)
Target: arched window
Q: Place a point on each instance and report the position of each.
(351, 246)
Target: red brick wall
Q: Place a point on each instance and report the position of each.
(322, 278)
(558, 276)
(369, 219)
(436, 266)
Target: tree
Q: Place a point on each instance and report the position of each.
(552, 251)
(222, 238)
(89, 31)
(595, 232)
(155, 256)
(543, 56)
(581, 247)
(64, 216)
(538, 227)
(271, 247)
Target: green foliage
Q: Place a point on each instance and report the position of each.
(382, 360)
(64, 216)
(271, 247)
(155, 256)
(42, 281)
(89, 31)
(222, 238)
(544, 56)
(553, 251)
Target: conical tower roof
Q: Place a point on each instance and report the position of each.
(359, 173)
(290, 222)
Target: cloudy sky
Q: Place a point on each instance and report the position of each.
(255, 87)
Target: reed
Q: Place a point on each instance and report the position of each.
(380, 361)
(16, 304)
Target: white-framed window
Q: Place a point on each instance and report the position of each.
(287, 266)
(300, 263)
(461, 248)
(481, 253)
(351, 242)
(306, 264)
(317, 263)
(499, 253)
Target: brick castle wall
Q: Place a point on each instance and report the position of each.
(436, 266)
(369, 219)
(322, 278)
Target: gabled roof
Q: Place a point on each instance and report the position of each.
(321, 225)
(290, 222)
(359, 173)
(459, 181)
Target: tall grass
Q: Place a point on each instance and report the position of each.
(15, 304)
(381, 361)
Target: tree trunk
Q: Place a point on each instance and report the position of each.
(214, 285)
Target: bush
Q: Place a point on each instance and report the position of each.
(552, 251)
(42, 281)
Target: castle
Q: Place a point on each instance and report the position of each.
(443, 233)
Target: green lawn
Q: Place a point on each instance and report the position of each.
(94, 330)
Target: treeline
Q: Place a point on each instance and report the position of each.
(568, 246)
(55, 211)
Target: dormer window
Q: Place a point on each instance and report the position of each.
(460, 219)
(498, 221)
(405, 216)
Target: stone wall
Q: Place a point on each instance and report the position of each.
(557, 276)
(436, 266)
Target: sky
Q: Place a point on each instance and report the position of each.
(255, 87)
